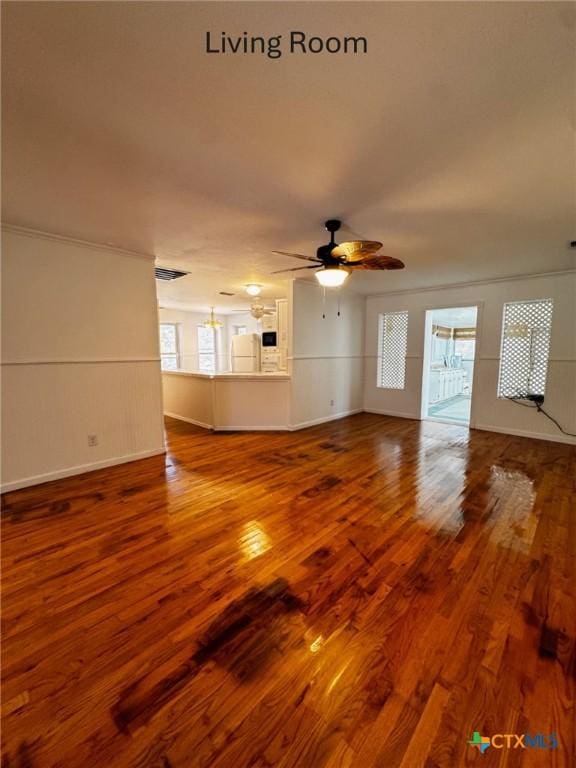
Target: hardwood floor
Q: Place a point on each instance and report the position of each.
(365, 593)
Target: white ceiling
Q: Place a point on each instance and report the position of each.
(452, 140)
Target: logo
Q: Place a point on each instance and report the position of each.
(482, 742)
(513, 741)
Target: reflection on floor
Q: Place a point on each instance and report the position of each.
(366, 593)
(455, 409)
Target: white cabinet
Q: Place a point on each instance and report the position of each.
(269, 322)
(445, 383)
(282, 331)
(434, 386)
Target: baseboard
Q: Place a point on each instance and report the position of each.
(399, 414)
(81, 469)
(560, 438)
(323, 420)
(223, 428)
(188, 421)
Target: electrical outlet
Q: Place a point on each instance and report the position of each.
(92, 441)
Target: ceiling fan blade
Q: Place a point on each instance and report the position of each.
(249, 309)
(295, 269)
(355, 250)
(296, 255)
(379, 262)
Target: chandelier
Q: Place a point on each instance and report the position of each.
(211, 321)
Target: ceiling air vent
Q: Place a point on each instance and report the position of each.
(226, 293)
(163, 273)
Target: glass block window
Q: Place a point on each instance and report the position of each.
(526, 330)
(169, 347)
(392, 341)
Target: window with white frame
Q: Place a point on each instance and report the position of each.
(169, 347)
(392, 343)
(239, 330)
(206, 349)
(526, 327)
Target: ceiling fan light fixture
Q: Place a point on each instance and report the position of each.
(332, 277)
(253, 289)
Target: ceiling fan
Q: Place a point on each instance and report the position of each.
(334, 261)
(256, 309)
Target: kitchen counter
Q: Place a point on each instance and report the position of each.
(256, 375)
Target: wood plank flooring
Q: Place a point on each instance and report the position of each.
(366, 593)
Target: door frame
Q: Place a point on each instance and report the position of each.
(426, 357)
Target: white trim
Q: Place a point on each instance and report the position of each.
(561, 359)
(188, 420)
(232, 376)
(557, 359)
(37, 233)
(323, 419)
(399, 414)
(224, 428)
(408, 357)
(188, 373)
(83, 361)
(251, 377)
(326, 357)
(79, 470)
(559, 438)
(471, 283)
(239, 376)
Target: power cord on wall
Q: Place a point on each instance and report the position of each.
(536, 401)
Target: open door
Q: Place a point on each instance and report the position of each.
(449, 355)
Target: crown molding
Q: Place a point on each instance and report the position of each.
(472, 283)
(37, 233)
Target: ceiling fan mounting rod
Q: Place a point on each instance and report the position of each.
(333, 225)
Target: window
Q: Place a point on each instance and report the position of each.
(526, 329)
(206, 349)
(239, 330)
(392, 339)
(169, 347)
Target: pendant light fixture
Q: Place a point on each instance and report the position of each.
(211, 321)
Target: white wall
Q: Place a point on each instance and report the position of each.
(257, 403)
(242, 318)
(189, 398)
(488, 411)
(188, 323)
(79, 357)
(325, 357)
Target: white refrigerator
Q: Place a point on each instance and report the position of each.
(246, 353)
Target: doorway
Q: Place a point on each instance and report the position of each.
(449, 354)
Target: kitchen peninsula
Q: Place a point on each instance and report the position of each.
(228, 401)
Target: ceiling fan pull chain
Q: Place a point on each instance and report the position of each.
(338, 303)
(323, 303)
